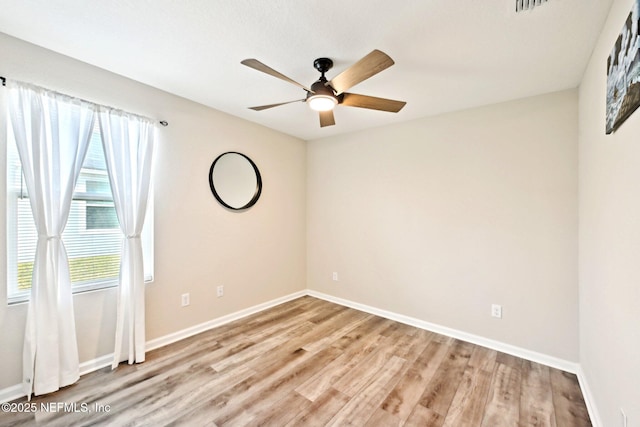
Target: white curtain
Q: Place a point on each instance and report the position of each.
(128, 142)
(52, 133)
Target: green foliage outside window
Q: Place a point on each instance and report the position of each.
(95, 268)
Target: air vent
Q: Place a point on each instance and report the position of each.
(528, 4)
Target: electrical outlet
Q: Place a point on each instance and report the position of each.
(220, 291)
(335, 276)
(185, 300)
(496, 311)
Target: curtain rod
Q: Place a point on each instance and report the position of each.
(4, 83)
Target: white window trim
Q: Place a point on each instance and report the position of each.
(12, 196)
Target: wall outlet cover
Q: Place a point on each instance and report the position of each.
(496, 311)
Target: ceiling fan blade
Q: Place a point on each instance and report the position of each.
(257, 65)
(368, 66)
(264, 107)
(371, 102)
(326, 118)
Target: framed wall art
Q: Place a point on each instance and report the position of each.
(623, 72)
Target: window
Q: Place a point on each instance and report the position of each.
(101, 216)
(92, 236)
(100, 212)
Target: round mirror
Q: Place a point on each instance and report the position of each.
(235, 180)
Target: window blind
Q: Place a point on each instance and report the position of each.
(92, 235)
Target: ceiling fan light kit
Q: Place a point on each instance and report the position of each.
(322, 102)
(323, 95)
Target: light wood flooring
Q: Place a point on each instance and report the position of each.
(309, 362)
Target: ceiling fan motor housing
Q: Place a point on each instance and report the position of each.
(321, 87)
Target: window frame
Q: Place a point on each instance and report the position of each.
(90, 196)
(13, 195)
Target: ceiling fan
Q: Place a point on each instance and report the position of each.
(324, 95)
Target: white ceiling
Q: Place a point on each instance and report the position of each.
(449, 55)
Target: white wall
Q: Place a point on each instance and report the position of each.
(609, 271)
(258, 255)
(439, 218)
(435, 219)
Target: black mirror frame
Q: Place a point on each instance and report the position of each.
(257, 192)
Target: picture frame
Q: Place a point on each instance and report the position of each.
(623, 72)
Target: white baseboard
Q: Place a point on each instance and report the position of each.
(15, 392)
(533, 356)
(589, 400)
(95, 364)
(11, 393)
(567, 366)
(185, 333)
